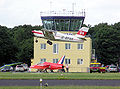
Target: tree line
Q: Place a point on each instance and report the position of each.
(16, 44)
(106, 42)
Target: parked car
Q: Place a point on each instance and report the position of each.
(7, 69)
(19, 68)
(111, 68)
(25, 67)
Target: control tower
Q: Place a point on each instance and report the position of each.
(77, 54)
(62, 21)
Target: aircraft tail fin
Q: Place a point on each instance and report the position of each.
(61, 60)
(82, 32)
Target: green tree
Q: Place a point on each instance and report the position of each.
(7, 46)
(24, 40)
(16, 44)
(105, 39)
(117, 27)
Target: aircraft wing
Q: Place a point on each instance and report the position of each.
(12, 64)
(49, 34)
(40, 66)
(83, 39)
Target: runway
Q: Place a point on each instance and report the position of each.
(60, 82)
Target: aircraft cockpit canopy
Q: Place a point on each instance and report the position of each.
(40, 62)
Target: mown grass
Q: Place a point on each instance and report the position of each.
(59, 87)
(10, 75)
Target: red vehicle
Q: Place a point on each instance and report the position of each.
(44, 66)
(96, 67)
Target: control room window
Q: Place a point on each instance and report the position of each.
(67, 61)
(55, 48)
(67, 25)
(75, 24)
(67, 46)
(43, 46)
(80, 46)
(55, 60)
(80, 61)
(48, 24)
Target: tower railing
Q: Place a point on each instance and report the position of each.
(63, 13)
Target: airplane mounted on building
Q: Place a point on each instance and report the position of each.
(58, 36)
(43, 66)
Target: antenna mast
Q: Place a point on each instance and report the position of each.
(50, 6)
(73, 5)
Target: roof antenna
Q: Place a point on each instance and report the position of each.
(50, 7)
(73, 5)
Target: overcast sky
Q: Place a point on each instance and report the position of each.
(20, 12)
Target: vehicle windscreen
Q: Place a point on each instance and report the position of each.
(113, 67)
(95, 65)
(20, 66)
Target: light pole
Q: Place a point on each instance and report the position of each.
(41, 83)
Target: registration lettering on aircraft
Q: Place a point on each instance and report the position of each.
(66, 38)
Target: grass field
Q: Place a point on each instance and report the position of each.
(61, 87)
(10, 75)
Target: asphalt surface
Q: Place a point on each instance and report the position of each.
(60, 82)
